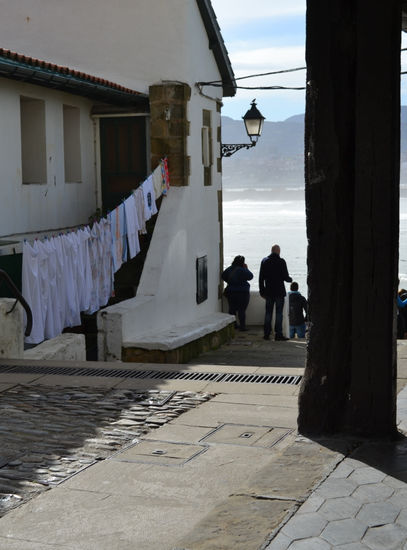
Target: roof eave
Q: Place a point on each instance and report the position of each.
(18, 70)
(217, 45)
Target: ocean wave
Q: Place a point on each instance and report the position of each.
(261, 195)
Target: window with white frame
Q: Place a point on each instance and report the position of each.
(207, 158)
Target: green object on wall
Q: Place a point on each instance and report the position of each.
(12, 265)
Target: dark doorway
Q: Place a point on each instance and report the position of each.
(123, 157)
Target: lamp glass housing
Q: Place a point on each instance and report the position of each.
(253, 121)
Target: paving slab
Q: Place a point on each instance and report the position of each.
(344, 531)
(280, 369)
(213, 414)
(211, 476)
(229, 496)
(13, 544)
(305, 526)
(171, 385)
(390, 537)
(6, 378)
(294, 472)
(255, 399)
(76, 381)
(339, 507)
(4, 387)
(257, 389)
(238, 523)
(179, 433)
(312, 543)
(84, 520)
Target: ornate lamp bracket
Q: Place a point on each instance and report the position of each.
(228, 149)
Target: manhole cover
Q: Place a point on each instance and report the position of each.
(160, 452)
(242, 434)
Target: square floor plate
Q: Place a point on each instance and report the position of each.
(242, 434)
(160, 452)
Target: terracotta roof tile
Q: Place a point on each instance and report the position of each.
(64, 70)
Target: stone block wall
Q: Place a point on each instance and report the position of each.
(170, 128)
(182, 354)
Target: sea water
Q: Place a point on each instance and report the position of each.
(255, 219)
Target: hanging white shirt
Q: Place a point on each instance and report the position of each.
(158, 182)
(105, 262)
(32, 292)
(84, 270)
(94, 256)
(60, 309)
(133, 226)
(69, 246)
(141, 215)
(150, 207)
(118, 231)
(49, 277)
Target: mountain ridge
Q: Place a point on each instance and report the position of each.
(278, 157)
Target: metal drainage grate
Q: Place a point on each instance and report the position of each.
(153, 374)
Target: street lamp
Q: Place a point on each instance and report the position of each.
(253, 121)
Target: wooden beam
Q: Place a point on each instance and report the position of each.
(352, 165)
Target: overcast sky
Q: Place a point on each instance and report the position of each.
(263, 36)
(269, 35)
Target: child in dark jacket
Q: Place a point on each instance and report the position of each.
(297, 311)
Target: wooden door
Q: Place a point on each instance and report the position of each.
(123, 157)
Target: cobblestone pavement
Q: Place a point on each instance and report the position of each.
(361, 505)
(50, 433)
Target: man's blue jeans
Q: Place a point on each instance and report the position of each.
(278, 327)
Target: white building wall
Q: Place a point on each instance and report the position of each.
(134, 43)
(27, 208)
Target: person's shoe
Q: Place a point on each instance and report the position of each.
(281, 338)
(266, 337)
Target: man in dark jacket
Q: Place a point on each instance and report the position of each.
(273, 273)
(297, 312)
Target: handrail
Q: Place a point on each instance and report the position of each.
(19, 298)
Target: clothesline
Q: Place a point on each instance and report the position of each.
(73, 272)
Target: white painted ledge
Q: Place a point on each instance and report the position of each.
(178, 336)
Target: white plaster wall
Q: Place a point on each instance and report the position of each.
(169, 271)
(56, 204)
(188, 227)
(136, 44)
(133, 43)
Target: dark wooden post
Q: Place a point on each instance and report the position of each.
(352, 200)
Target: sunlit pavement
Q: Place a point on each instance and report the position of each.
(230, 473)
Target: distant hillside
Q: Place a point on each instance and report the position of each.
(278, 158)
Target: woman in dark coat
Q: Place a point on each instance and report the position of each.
(238, 289)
